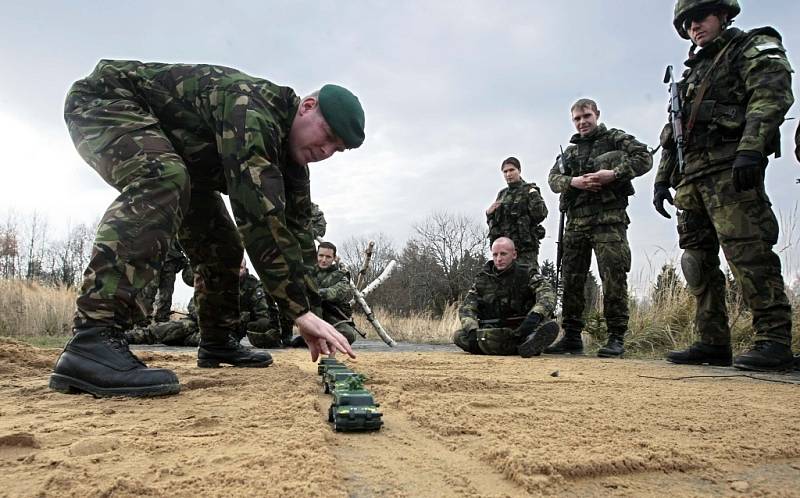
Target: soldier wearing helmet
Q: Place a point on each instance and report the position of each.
(735, 93)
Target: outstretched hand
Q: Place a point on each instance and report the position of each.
(321, 337)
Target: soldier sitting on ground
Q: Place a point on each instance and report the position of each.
(503, 291)
(256, 321)
(333, 282)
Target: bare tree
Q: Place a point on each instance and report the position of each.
(457, 245)
(351, 252)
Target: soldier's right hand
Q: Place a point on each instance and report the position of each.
(661, 193)
(493, 207)
(586, 182)
(321, 337)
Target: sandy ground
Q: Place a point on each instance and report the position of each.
(455, 425)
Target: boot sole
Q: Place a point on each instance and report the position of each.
(540, 340)
(218, 364)
(786, 367)
(709, 363)
(70, 385)
(576, 352)
(609, 355)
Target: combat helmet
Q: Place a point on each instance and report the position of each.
(683, 7)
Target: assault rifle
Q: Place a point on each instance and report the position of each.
(493, 323)
(675, 116)
(563, 212)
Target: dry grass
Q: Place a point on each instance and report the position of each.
(417, 327)
(28, 310)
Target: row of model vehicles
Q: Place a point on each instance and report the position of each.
(353, 407)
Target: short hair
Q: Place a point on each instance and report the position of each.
(583, 104)
(513, 161)
(327, 245)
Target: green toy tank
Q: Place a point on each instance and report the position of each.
(354, 411)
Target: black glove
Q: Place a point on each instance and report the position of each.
(660, 194)
(528, 326)
(748, 170)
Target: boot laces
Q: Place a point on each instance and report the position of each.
(120, 344)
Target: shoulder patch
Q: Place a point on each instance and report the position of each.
(768, 46)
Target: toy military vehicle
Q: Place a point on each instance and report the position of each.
(354, 411)
(326, 362)
(334, 377)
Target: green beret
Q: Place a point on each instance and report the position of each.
(344, 114)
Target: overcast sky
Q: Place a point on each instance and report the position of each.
(450, 89)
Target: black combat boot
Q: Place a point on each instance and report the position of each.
(98, 361)
(571, 343)
(613, 348)
(766, 356)
(230, 352)
(536, 342)
(699, 354)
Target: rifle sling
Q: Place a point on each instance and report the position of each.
(701, 91)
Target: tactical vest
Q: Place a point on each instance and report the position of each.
(504, 295)
(720, 119)
(579, 159)
(512, 218)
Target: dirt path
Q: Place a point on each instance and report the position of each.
(455, 425)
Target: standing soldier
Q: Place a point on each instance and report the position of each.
(517, 213)
(735, 94)
(157, 295)
(594, 180)
(171, 138)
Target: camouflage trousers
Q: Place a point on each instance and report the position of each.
(123, 142)
(157, 295)
(500, 341)
(184, 332)
(610, 245)
(529, 257)
(713, 215)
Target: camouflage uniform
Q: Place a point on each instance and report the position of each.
(172, 138)
(336, 293)
(514, 292)
(157, 295)
(185, 332)
(318, 223)
(598, 221)
(519, 217)
(747, 100)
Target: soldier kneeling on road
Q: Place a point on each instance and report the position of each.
(508, 309)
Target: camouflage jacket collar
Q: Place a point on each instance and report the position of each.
(490, 269)
(713, 48)
(516, 185)
(594, 135)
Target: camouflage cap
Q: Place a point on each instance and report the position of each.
(344, 114)
(685, 7)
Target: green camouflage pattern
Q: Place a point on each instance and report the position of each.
(604, 148)
(613, 253)
(519, 217)
(334, 288)
(172, 138)
(746, 103)
(318, 223)
(157, 294)
(517, 291)
(748, 98)
(714, 215)
(683, 7)
(255, 315)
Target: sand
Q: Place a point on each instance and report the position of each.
(455, 425)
